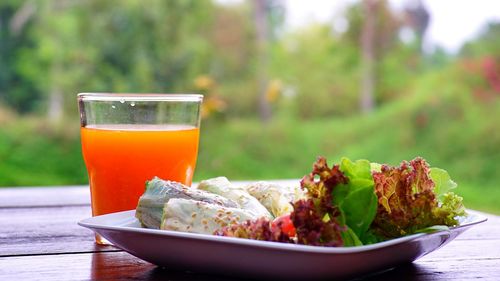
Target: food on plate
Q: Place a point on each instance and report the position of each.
(277, 199)
(223, 187)
(158, 192)
(314, 218)
(200, 217)
(359, 203)
(352, 203)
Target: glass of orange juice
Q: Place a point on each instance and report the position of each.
(128, 139)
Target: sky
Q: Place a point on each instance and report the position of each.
(453, 22)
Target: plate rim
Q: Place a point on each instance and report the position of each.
(472, 217)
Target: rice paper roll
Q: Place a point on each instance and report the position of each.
(150, 207)
(223, 187)
(200, 217)
(277, 199)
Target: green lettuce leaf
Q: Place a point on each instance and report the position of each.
(350, 238)
(359, 208)
(442, 181)
(376, 167)
(361, 169)
(369, 237)
(356, 199)
(432, 229)
(450, 209)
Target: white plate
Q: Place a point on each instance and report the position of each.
(250, 258)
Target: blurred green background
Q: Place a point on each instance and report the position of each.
(275, 97)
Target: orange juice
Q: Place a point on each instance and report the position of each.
(121, 158)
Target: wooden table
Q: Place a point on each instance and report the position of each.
(40, 240)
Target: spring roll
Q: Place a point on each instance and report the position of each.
(158, 192)
(277, 199)
(223, 187)
(200, 217)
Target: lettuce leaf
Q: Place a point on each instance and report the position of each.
(442, 181)
(359, 209)
(314, 227)
(350, 238)
(316, 219)
(407, 201)
(450, 205)
(361, 169)
(356, 199)
(432, 229)
(450, 209)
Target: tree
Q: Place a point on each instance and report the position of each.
(262, 34)
(268, 16)
(117, 46)
(386, 63)
(418, 18)
(368, 56)
(17, 89)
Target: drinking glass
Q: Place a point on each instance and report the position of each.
(127, 139)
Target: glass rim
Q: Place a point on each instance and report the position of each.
(188, 97)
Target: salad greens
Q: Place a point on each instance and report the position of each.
(357, 200)
(408, 202)
(357, 203)
(318, 219)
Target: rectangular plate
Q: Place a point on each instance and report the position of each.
(250, 258)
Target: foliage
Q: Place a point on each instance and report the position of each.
(487, 44)
(439, 106)
(443, 122)
(113, 46)
(319, 65)
(318, 68)
(31, 153)
(17, 90)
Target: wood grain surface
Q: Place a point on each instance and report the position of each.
(40, 240)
